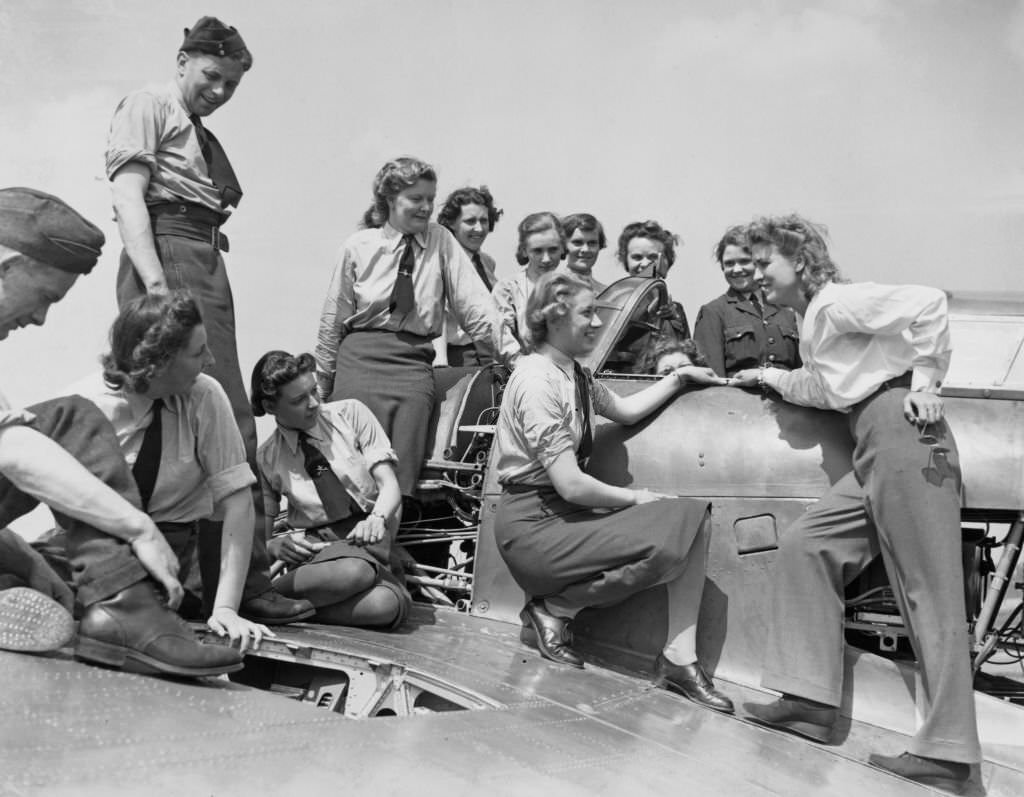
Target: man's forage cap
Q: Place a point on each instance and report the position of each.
(49, 230)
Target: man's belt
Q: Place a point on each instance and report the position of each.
(188, 220)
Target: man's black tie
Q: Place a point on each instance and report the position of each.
(402, 298)
(583, 402)
(217, 165)
(147, 465)
(333, 495)
(478, 262)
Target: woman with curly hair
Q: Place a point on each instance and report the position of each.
(541, 248)
(470, 215)
(646, 249)
(877, 353)
(386, 303)
(584, 238)
(177, 432)
(570, 540)
(335, 467)
(670, 354)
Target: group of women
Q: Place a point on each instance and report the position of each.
(352, 421)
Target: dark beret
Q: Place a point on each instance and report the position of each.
(211, 36)
(49, 230)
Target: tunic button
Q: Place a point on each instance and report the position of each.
(771, 356)
(771, 340)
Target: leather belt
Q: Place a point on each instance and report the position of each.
(188, 220)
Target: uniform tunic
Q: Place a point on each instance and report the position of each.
(901, 500)
(575, 556)
(733, 334)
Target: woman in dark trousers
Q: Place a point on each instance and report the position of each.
(386, 303)
(879, 354)
(563, 551)
(740, 329)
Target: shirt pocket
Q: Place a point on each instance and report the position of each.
(740, 347)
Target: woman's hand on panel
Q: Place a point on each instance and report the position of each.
(748, 377)
(368, 531)
(696, 375)
(647, 496)
(226, 622)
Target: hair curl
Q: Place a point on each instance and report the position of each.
(671, 345)
(648, 229)
(450, 211)
(548, 302)
(587, 223)
(393, 178)
(534, 223)
(734, 236)
(800, 241)
(274, 370)
(147, 334)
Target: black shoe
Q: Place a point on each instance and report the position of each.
(31, 622)
(692, 682)
(134, 631)
(949, 775)
(548, 634)
(273, 608)
(811, 720)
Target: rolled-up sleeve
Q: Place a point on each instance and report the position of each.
(135, 133)
(12, 417)
(372, 439)
(219, 446)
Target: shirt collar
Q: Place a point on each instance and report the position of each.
(291, 436)
(394, 237)
(138, 405)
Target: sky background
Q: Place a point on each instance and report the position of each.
(897, 124)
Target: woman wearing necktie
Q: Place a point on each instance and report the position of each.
(334, 465)
(176, 430)
(572, 541)
(470, 215)
(740, 329)
(386, 303)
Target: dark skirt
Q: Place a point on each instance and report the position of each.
(392, 374)
(378, 555)
(588, 556)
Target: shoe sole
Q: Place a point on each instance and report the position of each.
(129, 660)
(807, 730)
(528, 636)
(31, 622)
(280, 620)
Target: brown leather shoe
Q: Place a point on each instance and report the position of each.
(548, 634)
(134, 631)
(794, 715)
(692, 682)
(273, 608)
(949, 775)
(30, 622)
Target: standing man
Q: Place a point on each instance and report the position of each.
(63, 453)
(173, 189)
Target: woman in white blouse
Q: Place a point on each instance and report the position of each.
(334, 465)
(562, 550)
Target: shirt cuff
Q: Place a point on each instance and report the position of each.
(926, 379)
(15, 418)
(375, 456)
(235, 478)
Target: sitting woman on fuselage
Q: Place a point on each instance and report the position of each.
(335, 466)
(553, 527)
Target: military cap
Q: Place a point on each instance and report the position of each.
(49, 230)
(211, 36)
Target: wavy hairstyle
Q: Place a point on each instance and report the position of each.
(452, 207)
(648, 229)
(393, 178)
(548, 302)
(272, 371)
(587, 223)
(147, 334)
(671, 345)
(800, 241)
(734, 236)
(537, 222)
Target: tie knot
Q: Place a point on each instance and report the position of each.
(157, 405)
